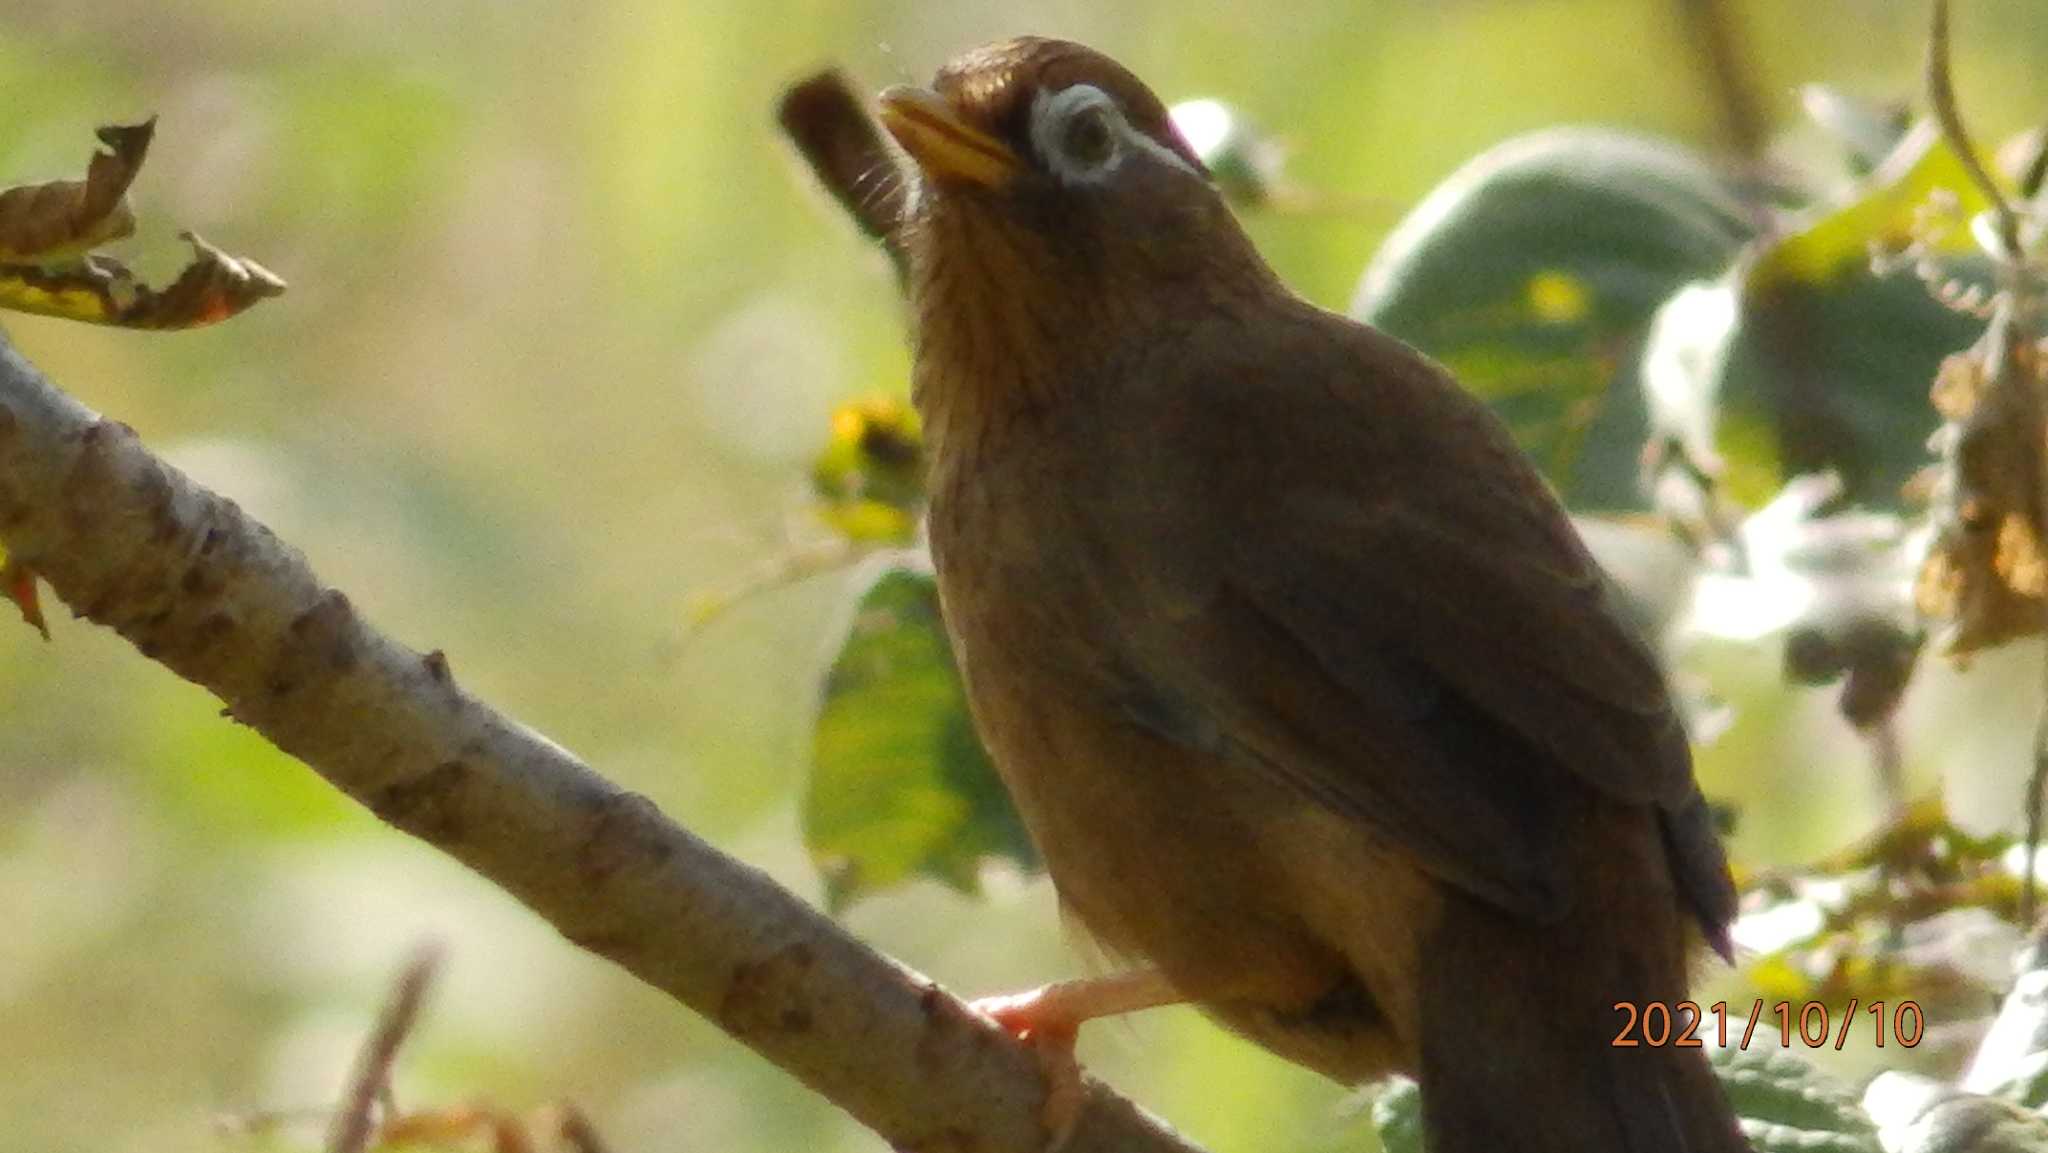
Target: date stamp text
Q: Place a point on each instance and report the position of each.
(1685, 1025)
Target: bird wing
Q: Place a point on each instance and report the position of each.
(1422, 642)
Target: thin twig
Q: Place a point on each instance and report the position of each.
(830, 126)
(370, 1082)
(1711, 26)
(781, 570)
(2037, 785)
(1887, 760)
(1941, 97)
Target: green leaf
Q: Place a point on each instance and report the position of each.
(1532, 273)
(900, 786)
(1790, 1106)
(1801, 359)
(2012, 1060)
(1786, 1106)
(1835, 240)
(1397, 1116)
(1920, 1115)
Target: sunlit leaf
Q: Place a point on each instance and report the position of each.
(1917, 1114)
(1803, 559)
(1786, 1106)
(2012, 1060)
(1834, 583)
(1804, 360)
(900, 787)
(1921, 910)
(1533, 271)
(869, 479)
(1885, 210)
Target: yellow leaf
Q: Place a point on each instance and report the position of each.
(1882, 210)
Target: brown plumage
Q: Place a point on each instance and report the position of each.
(1300, 677)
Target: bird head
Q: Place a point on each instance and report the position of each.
(1056, 213)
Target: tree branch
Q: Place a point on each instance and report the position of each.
(131, 543)
(831, 129)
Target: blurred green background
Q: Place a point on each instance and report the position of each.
(564, 324)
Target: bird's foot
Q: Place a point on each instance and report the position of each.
(1048, 1020)
(1050, 1037)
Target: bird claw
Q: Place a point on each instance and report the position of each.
(1050, 1035)
(1048, 1019)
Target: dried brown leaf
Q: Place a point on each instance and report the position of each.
(100, 290)
(63, 219)
(48, 234)
(1986, 571)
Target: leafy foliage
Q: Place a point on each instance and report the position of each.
(1786, 1106)
(900, 786)
(1921, 1115)
(1810, 361)
(1532, 273)
(1829, 932)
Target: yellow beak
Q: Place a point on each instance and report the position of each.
(944, 146)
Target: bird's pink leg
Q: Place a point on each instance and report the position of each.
(1049, 1019)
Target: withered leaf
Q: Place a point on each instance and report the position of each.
(63, 219)
(101, 290)
(1986, 572)
(48, 263)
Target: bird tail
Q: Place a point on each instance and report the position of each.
(1566, 1038)
(1513, 1062)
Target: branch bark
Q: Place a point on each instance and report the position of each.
(198, 586)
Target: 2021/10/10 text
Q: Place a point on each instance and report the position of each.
(1655, 1024)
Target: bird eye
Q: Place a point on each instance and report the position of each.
(1080, 135)
(1088, 140)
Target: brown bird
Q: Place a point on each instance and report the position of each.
(1318, 709)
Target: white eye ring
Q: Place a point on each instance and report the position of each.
(1083, 137)
(1079, 132)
